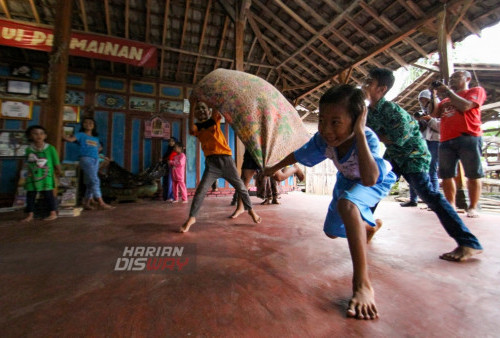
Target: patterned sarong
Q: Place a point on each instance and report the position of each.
(266, 123)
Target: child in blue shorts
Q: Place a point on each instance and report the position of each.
(363, 179)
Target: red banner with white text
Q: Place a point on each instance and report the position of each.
(87, 45)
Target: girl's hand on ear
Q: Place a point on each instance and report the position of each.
(359, 125)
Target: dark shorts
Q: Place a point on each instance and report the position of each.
(248, 162)
(465, 148)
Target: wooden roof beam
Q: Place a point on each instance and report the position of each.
(5, 9)
(287, 41)
(221, 44)
(127, 28)
(375, 40)
(229, 10)
(262, 42)
(202, 38)
(184, 27)
(148, 21)
(323, 30)
(292, 32)
(471, 27)
(249, 55)
(108, 27)
(289, 69)
(239, 32)
(83, 14)
(459, 17)
(405, 32)
(206, 56)
(390, 26)
(148, 28)
(35, 11)
(163, 35)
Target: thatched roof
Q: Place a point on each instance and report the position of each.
(302, 47)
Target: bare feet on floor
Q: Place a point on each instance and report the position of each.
(27, 219)
(460, 254)
(370, 231)
(256, 218)
(237, 212)
(472, 213)
(275, 201)
(105, 206)
(185, 227)
(266, 201)
(50, 218)
(362, 304)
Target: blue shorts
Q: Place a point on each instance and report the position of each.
(363, 197)
(465, 148)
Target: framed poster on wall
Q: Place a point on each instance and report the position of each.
(16, 109)
(13, 143)
(71, 114)
(18, 87)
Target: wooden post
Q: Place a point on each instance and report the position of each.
(446, 69)
(241, 9)
(58, 70)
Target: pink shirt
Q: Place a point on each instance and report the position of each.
(178, 167)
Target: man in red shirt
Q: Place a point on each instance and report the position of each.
(460, 113)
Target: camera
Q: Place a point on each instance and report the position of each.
(436, 84)
(419, 114)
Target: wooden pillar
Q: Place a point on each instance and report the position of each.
(241, 9)
(446, 69)
(58, 70)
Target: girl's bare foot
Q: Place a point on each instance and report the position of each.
(237, 212)
(362, 304)
(185, 227)
(266, 201)
(275, 201)
(51, 217)
(460, 254)
(370, 231)
(256, 218)
(88, 206)
(28, 219)
(104, 206)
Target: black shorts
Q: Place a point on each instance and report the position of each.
(248, 162)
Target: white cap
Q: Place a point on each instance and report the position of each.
(425, 93)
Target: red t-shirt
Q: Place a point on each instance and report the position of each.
(172, 155)
(455, 123)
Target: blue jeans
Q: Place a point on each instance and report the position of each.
(448, 217)
(433, 169)
(168, 193)
(90, 167)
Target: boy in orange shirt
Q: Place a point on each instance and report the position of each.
(218, 161)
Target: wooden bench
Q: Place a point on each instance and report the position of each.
(491, 153)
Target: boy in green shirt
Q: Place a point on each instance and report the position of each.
(42, 162)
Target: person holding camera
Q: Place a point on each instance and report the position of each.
(461, 135)
(409, 157)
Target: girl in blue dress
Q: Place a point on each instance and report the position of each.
(363, 179)
(89, 163)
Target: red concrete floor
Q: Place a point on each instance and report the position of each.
(282, 278)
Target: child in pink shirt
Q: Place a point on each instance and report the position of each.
(178, 169)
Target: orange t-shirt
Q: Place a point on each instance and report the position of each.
(211, 137)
